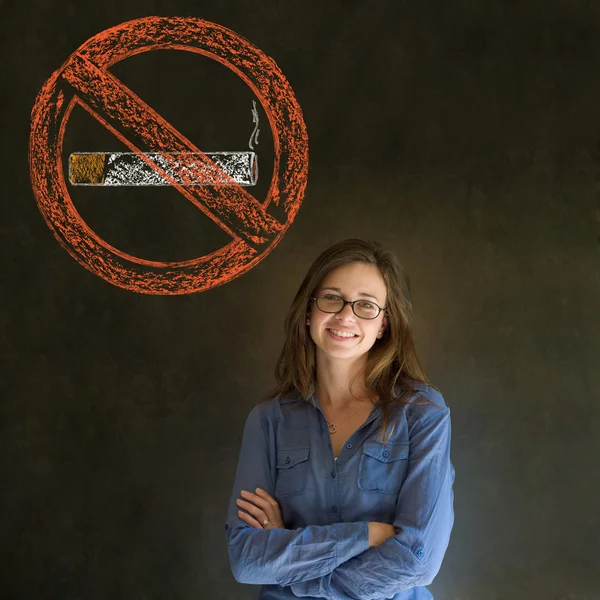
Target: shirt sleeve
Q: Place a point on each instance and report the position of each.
(280, 556)
(423, 521)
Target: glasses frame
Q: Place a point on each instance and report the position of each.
(335, 312)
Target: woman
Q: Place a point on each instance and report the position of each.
(344, 481)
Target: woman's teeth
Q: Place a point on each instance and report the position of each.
(342, 333)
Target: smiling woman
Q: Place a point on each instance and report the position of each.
(350, 451)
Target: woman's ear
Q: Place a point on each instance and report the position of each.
(384, 325)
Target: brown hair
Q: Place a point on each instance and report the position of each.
(391, 358)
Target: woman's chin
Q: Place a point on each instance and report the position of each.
(335, 352)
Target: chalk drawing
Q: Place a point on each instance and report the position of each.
(183, 168)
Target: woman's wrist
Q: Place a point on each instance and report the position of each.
(373, 533)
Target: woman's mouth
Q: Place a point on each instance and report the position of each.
(339, 335)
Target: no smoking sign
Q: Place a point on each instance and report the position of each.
(85, 79)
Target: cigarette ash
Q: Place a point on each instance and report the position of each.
(128, 169)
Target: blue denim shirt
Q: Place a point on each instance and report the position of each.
(326, 504)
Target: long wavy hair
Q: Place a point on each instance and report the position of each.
(392, 357)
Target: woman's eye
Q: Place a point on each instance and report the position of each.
(331, 297)
(365, 304)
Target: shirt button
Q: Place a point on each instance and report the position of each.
(419, 552)
(348, 446)
(334, 508)
(287, 460)
(333, 473)
(385, 454)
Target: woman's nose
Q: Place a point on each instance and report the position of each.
(345, 312)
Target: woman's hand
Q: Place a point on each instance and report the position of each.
(379, 532)
(261, 506)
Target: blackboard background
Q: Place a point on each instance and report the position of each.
(465, 136)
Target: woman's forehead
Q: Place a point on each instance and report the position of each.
(357, 279)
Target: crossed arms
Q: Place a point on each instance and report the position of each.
(335, 561)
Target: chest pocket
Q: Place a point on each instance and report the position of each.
(382, 467)
(292, 467)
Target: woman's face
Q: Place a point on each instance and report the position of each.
(352, 281)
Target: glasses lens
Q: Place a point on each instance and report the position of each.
(330, 303)
(366, 309)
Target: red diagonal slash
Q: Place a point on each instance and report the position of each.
(128, 116)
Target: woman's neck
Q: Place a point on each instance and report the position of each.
(333, 384)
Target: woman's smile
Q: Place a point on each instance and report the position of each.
(340, 335)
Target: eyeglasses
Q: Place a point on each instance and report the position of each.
(364, 309)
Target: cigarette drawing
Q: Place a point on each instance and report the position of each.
(129, 169)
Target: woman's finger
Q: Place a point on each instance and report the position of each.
(257, 512)
(255, 499)
(273, 512)
(266, 497)
(264, 500)
(262, 505)
(272, 502)
(248, 519)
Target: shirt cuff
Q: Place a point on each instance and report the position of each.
(350, 546)
(346, 548)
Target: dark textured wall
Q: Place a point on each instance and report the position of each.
(463, 135)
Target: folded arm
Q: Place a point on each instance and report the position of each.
(424, 520)
(281, 556)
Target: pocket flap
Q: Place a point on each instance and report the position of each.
(386, 453)
(288, 457)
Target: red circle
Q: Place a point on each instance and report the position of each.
(50, 115)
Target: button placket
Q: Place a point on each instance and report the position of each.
(334, 497)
